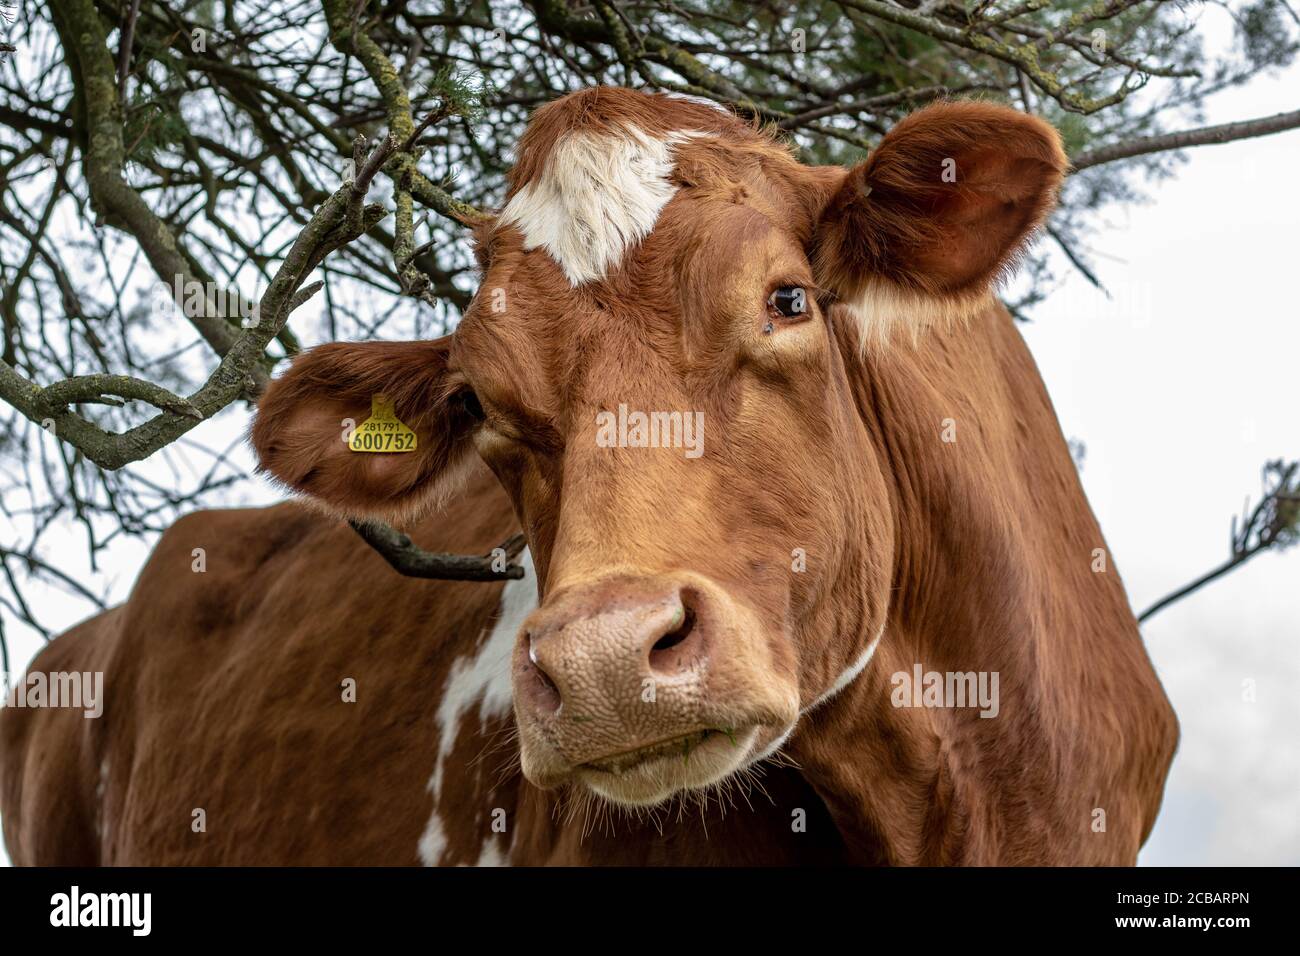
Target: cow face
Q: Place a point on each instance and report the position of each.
(660, 369)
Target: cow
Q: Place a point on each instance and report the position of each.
(794, 496)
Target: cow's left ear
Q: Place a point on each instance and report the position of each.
(305, 421)
(923, 228)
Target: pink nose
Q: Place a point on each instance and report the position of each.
(610, 648)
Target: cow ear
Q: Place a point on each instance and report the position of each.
(307, 415)
(926, 225)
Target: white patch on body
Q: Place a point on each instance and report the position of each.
(491, 854)
(481, 681)
(597, 196)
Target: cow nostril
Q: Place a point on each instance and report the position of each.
(544, 691)
(678, 634)
(546, 682)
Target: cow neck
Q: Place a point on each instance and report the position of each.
(914, 784)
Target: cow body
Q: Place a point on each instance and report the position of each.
(225, 690)
(226, 693)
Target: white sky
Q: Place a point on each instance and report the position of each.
(1181, 386)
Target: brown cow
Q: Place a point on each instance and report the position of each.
(795, 495)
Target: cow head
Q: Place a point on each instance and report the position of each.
(659, 368)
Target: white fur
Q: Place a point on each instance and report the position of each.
(879, 308)
(597, 196)
(849, 675)
(773, 747)
(481, 681)
(491, 855)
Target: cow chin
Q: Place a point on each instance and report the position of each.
(655, 773)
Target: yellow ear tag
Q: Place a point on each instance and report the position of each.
(382, 432)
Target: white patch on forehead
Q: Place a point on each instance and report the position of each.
(597, 196)
(481, 681)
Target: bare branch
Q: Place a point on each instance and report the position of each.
(1205, 136)
(36, 563)
(340, 220)
(413, 561)
(1273, 524)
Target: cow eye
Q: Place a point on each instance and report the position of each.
(473, 407)
(790, 301)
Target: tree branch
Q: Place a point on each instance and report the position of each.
(413, 561)
(1273, 524)
(86, 42)
(340, 219)
(1204, 136)
(1220, 571)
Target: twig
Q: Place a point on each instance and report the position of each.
(414, 562)
(1077, 262)
(338, 221)
(34, 562)
(1274, 523)
(124, 54)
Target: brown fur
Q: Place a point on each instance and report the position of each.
(302, 427)
(967, 556)
(895, 219)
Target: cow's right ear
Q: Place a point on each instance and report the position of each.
(307, 415)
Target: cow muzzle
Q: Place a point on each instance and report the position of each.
(641, 687)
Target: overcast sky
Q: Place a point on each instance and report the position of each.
(1181, 386)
